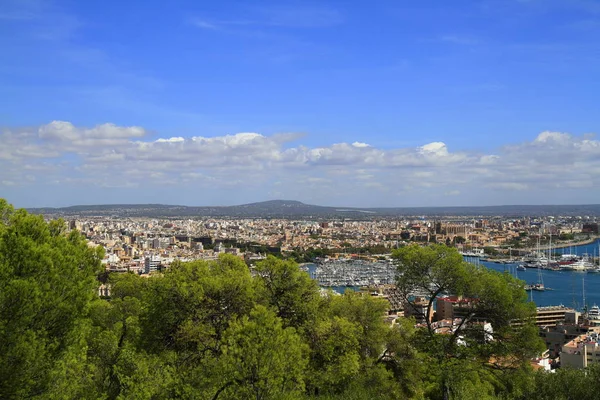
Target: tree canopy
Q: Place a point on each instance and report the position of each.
(220, 330)
(492, 353)
(47, 282)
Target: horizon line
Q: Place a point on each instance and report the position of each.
(314, 205)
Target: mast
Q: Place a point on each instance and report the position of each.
(531, 294)
(583, 291)
(540, 246)
(550, 249)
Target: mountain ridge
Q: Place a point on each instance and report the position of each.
(294, 208)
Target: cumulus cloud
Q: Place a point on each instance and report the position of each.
(108, 155)
(548, 136)
(103, 134)
(435, 148)
(170, 140)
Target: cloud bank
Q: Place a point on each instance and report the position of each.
(124, 164)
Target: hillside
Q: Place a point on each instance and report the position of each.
(294, 209)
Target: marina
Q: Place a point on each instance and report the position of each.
(546, 287)
(352, 273)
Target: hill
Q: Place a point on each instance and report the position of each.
(296, 209)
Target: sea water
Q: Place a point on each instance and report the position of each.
(566, 287)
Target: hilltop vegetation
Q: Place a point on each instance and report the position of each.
(213, 330)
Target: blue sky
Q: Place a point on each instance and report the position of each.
(387, 103)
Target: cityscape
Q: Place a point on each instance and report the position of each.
(299, 200)
(128, 241)
(345, 253)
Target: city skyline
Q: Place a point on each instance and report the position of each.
(336, 104)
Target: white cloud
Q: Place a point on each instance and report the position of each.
(489, 159)
(66, 131)
(108, 155)
(435, 148)
(548, 136)
(171, 140)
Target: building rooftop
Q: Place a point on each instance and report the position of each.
(554, 308)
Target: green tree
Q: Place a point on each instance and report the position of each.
(348, 345)
(47, 281)
(187, 311)
(335, 355)
(471, 355)
(565, 384)
(190, 307)
(492, 251)
(459, 240)
(366, 313)
(566, 236)
(121, 367)
(403, 359)
(261, 359)
(290, 291)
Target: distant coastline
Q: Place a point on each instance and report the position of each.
(295, 209)
(573, 244)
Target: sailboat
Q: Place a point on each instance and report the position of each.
(539, 286)
(592, 267)
(551, 264)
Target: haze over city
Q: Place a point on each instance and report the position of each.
(343, 104)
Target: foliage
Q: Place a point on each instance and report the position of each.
(566, 384)
(47, 281)
(492, 251)
(487, 297)
(216, 329)
(566, 236)
(290, 292)
(261, 359)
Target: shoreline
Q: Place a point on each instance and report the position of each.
(565, 245)
(305, 263)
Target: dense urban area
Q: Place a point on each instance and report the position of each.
(260, 307)
(141, 244)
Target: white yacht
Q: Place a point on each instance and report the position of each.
(582, 264)
(594, 312)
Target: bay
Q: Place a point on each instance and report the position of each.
(567, 287)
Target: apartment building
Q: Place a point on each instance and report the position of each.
(582, 351)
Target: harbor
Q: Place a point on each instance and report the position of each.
(545, 287)
(552, 281)
(570, 288)
(352, 273)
